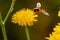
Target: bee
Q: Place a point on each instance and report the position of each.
(38, 9)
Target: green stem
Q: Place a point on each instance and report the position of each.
(4, 31)
(3, 28)
(2, 23)
(10, 10)
(27, 33)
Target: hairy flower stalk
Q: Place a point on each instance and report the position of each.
(3, 28)
(27, 33)
(2, 23)
(10, 10)
(25, 17)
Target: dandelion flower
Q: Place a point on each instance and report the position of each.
(24, 17)
(56, 34)
(59, 13)
(50, 38)
(57, 28)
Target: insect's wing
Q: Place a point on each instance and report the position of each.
(46, 13)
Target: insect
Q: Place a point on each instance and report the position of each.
(38, 9)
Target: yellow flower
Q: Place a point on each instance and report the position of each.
(24, 17)
(59, 13)
(57, 28)
(54, 36)
(50, 38)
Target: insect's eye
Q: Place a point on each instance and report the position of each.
(36, 10)
(38, 4)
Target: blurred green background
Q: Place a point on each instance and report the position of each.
(38, 31)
